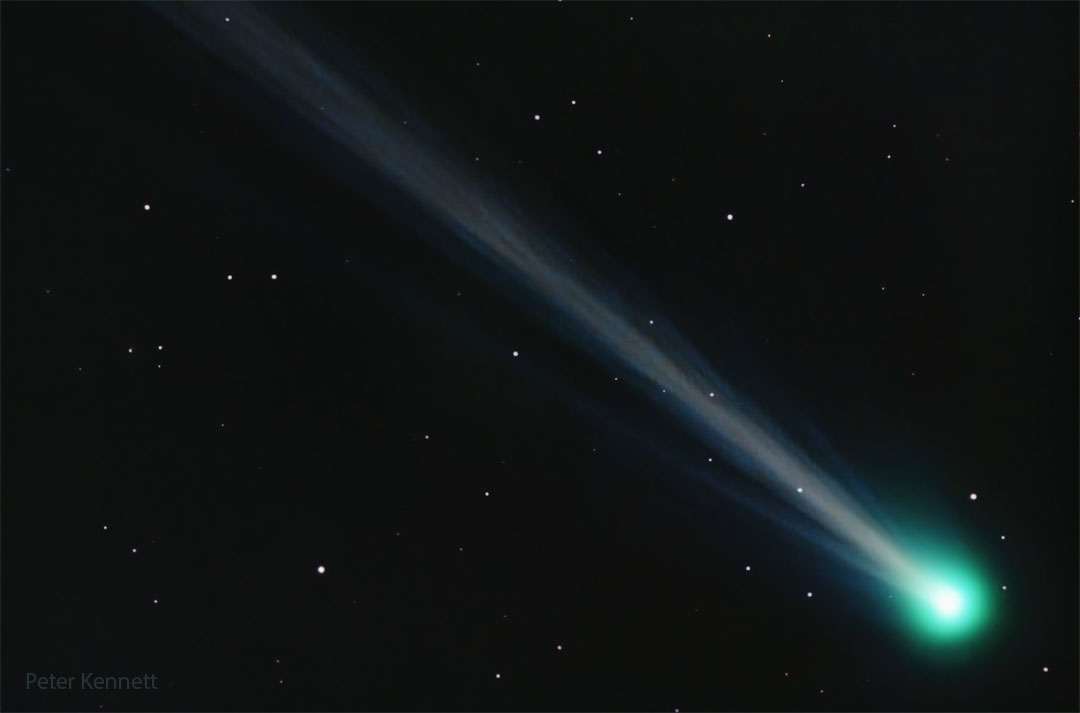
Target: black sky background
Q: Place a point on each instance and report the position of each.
(328, 379)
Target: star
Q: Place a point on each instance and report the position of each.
(273, 276)
(1046, 669)
(320, 569)
(498, 675)
(809, 594)
(974, 496)
(515, 353)
(146, 206)
(730, 216)
(747, 568)
(558, 647)
(228, 277)
(599, 152)
(573, 102)
(536, 117)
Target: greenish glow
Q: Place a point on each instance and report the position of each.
(948, 604)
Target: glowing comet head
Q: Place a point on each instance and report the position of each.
(949, 602)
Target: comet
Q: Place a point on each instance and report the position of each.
(350, 105)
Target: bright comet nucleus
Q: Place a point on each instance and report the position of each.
(948, 602)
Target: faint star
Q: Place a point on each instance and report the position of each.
(104, 527)
(730, 216)
(747, 568)
(599, 152)
(536, 117)
(498, 675)
(130, 350)
(1046, 669)
(974, 496)
(320, 569)
(487, 493)
(515, 353)
(273, 276)
(809, 594)
(146, 206)
(712, 394)
(558, 647)
(1003, 537)
(228, 277)
(798, 490)
(1004, 588)
(134, 551)
(573, 102)
(155, 601)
